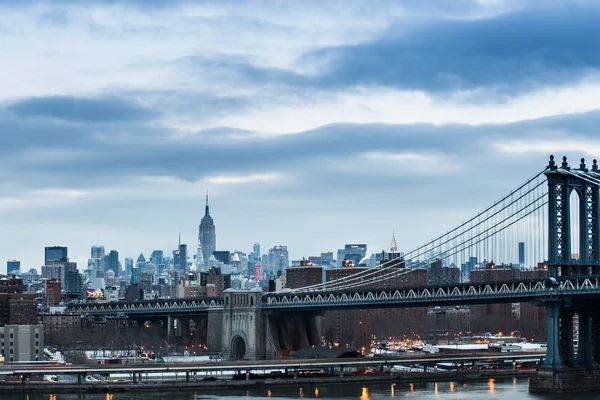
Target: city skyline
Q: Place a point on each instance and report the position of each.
(307, 134)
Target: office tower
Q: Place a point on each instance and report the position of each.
(341, 254)
(111, 261)
(355, 252)
(182, 258)
(157, 257)
(97, 252)
(256, 249)
(393, 245)
(206, 234)
(13, 266)
(128, 265)
(327, 259)
(522, 254)
(278, 260)
(73, 284)
(55, 253)
(136, 275)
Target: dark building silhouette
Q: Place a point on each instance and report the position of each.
(440, 275)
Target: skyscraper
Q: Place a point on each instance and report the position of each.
(128, 266)
(13, 266)
(111, 261)
(393, 245)
(522, 254)
(55, 253)
(206, 234)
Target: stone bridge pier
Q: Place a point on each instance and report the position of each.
(243, 330)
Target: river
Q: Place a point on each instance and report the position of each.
(511, 389)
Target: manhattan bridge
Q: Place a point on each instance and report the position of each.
(557, 211)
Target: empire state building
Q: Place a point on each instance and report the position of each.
(206, 235)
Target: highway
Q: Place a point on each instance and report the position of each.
(266, 365)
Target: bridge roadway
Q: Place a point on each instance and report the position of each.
(289, 364)
(427, 296)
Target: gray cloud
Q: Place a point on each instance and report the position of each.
(507, 53)
(69, 108)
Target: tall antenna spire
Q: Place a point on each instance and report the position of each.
(206, 207)
(179, 243)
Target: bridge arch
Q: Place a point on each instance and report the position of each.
(575, 200)
(239, 347)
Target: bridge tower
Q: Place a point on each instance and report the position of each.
(561, 367)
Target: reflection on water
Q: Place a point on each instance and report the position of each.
(491, 386)
(365, 394)
(509, 389)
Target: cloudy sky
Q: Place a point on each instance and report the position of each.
(311, 123)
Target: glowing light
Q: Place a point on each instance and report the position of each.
(514, 381)
(393, 389)
(452, 386)
(316, 392)
(492, 386)
(435, 388)
(365, 394)
(301, 392)
(268, 393)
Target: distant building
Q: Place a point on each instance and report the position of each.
(327, 259)
(128, 266)
(278, 260)
(306, 275)
(111, 262)
(522, 254)
(22, 343)
(355, 252)
(16, 307)
(442, 275)
(493, 318)
(53, 291)
(74, 289)
(13, 266)
(55, 253)
(207, 235)
(341, 254)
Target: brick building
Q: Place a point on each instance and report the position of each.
(298, 277)
(532, 318)
(356, 328)
(16, 307)
(493, 318)
(53, 291)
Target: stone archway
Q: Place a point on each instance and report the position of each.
(238, 348)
